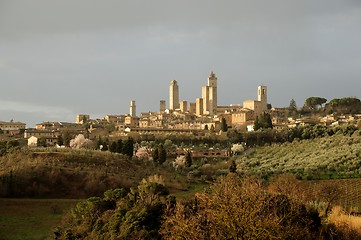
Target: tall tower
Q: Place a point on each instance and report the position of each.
(173, 95)
(162, 106)
(262, 97)
(132, 109)
(209, 94)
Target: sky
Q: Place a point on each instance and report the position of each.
(61, 58)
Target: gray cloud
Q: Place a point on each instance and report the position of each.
(96, 56)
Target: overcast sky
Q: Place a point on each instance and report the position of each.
(64, 57)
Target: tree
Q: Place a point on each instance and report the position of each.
(188, 159)
(128, 148)
(66, 138)
(233, 167)
(155, 154)
(59, 140)
(263, 122)
(119, 146)
(237, 148)
(113, 147)
(100, 143)
(81, 142)
(224, 126)
(257, 124)
(42, 142)
(235, 208)
(105, 145)
(142, 154)
(162, 154)
(292, 109)
(314, 102)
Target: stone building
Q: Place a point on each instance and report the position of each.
(199, 106)
(162, 105)
(258, 106)
(209, 95)
(132, 109)
(173, 95)
(183, 106)
(12, 127)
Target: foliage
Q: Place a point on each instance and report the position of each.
(113, 147)
(233, 167)
(121, 214)
(179, 162)
(142, 154)
(188, 159)
(224, 126)
(81, 142)
(237, 148)
(292, 109)
(313, 103)
(162, 154)
(8, 146)
(344, 105)
(335, 156)
(240, 209)
(128, 147)
(263, 122)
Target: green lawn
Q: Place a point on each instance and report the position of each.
(31, 218)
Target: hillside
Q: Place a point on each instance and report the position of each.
(70, 173)
(336, 156)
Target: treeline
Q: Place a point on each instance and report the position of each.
(347, 105)
(232, 208)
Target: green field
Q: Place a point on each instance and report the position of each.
(31, 218)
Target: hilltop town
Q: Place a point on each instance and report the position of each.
(199, 117)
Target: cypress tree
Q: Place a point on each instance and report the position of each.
(188, 162)
(162, 154)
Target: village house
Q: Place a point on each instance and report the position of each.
(12, 128)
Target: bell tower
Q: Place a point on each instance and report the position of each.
(262, 97)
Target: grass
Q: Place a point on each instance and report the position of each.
(193, 188)
(31, 218)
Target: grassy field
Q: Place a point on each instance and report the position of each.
(31, 218)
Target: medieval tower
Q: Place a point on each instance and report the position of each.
(173, 95)
(132, 109)
(209, 95)
(262, 97)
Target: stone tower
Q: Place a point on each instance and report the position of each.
(209, 95)
(132, 109)
(262, 97)
(162, 106)
(173, 95)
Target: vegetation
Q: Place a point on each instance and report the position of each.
(31, 218)
(336, 156)
(344, 105)
(314, 103)
(232, 208)
(74, 173)
(263, 122)
(121, 214)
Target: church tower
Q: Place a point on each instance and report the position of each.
(173, 95)
(262, 97)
